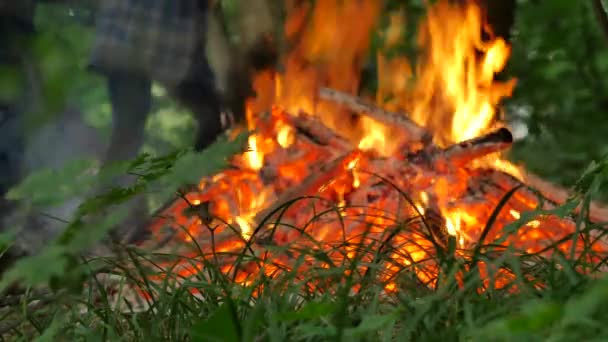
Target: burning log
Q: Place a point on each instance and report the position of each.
(461, 154)
(597, 211)
(412, 131)
(551, 193)
(314, 129)
(464, 152)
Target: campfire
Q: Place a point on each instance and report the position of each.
(414, 171)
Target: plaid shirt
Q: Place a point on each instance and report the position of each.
(155, 38)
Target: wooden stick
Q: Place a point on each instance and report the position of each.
(464, 152)
(312, 127)
(598, 212)
(413, 131)
(554, 195)
(461, 154)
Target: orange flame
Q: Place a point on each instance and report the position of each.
(456, 94)
(328, 52)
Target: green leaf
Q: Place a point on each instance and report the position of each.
(593, 172)
(192, 166)
(79, 237)
(36, 270)
(534, 318)
(11, 83)
(314, 332)
(555, 70)
(6, 240)
(254, 322)
(584, 306)
(220, 327)
(50, 187)
(371, 324)
(310, 311)
(115, 196)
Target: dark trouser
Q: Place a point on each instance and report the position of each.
(14, 47)
(204, 102)
(198, 93)
(12, 149)
(131, 97)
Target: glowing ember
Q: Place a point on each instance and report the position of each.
(515, 214)
(246, 228)
(255, 158)
(286, 136)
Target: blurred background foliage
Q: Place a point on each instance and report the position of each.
(560, 58)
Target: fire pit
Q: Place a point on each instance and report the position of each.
(349, 179)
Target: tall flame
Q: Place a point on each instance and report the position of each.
(455, 94)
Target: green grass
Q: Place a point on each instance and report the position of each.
(63, 296)
(285, 306)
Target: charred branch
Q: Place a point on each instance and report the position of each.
(461, 154)
(597, 212)
(412, 131)
(552, 195)
(315, 130)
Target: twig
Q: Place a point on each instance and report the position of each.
(553, 194)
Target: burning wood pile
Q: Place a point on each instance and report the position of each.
(331, 172)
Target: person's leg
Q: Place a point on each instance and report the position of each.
(12, 149)
(15, 37)
(131, 99)
(199, 95)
